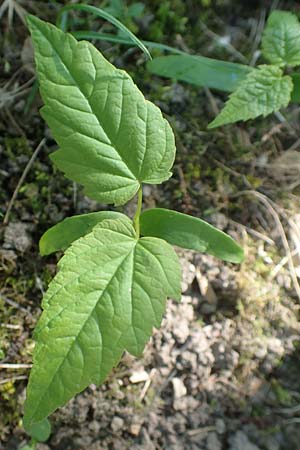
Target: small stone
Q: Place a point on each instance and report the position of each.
(240, 441)
(271, 442)
(187, 360)
(181, 331)
(94, 426)
(199, 342)
(135, 428)
(225, 357)
(164, 356)
(16, 236)
(179, 388)
(220, 426)
(219, 220)
(117, 445)
(147, 190)
(117, 424)
(275, 346)
(208, 308)
(139, 376)
(41, 446)
(206, 289)
(213, 442)
(260, 352)
(186, 403)
(188, 274)
(8, 255)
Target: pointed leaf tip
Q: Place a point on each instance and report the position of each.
(108, 295)
(264, 91)
(61, 235)
(190, 232)
(111, 141)
(281, 39)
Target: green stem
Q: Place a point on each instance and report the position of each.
(136, 219)
(33, 443)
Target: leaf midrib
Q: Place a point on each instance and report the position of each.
(46, 305)
(87, 99)
(82, 327)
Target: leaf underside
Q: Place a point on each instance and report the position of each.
(109, 293)
(263, 91)
(281, 39)
(190, 232)
(111, 139)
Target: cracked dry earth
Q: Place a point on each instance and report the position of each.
(217, 375)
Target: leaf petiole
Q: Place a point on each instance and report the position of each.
(136, 219)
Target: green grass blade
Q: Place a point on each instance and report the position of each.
(104, 15)
(295, 97)
(31, 96)
(63, 21)
(86, 34)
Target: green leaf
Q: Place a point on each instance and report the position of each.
(61, 235)
(189, 232)
(295, 98)
(136, 10)
(264, 91)
(109, 293)
(40, 431)
(115, 8)
(200, 71)
(111, 139)
(281, 39)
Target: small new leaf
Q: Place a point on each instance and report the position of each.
(190, 232)
(264, 91)
(281, 39)
(109, 293)
(111, 139)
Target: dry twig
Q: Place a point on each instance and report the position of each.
(15, 366)
(12, 379)
(21, 180)
(267, 203)
(14, 304)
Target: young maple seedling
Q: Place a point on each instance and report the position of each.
(255, 91)
(116, 273)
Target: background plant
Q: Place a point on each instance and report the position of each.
(256, 91)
